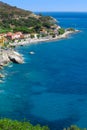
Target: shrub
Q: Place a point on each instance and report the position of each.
(74, 127)
(61, 31)
(8, 124)
(70, 29)
(32, 36)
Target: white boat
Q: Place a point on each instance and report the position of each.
(32, 52)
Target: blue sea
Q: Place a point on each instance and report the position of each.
(50, 88)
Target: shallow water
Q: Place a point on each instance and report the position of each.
(50, 88)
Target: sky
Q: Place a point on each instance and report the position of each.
(50, 5)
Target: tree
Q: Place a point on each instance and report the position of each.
(8, 124)
(38, 35)
(73, 127)
(38, 28)
(70, 29)
(32, 36)
(61, 31)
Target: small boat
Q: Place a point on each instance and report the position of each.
(32, 52)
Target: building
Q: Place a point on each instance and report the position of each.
(43, 32)
(13, 36)
(2, 39)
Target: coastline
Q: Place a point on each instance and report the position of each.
(44, 39)
(9, 55)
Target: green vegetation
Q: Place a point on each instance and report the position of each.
(43, 35)
(25, 30)
(70, 29)
(7, 11)
(38, 35)
(61, 31)
(15, 19)
(4, 30)
(32, 36)
(74, 127)
(8, 124)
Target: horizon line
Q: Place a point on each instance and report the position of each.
(63, 11)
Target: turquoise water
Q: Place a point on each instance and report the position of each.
(50, 88)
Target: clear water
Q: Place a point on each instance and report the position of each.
(50, 88)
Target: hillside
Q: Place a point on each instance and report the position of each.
(12, 11)
(16, 19)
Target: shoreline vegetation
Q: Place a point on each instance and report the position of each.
(8, 124)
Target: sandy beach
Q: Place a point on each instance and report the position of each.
(37, 40)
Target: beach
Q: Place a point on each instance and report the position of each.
(28, 41)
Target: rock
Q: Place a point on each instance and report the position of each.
(2, 76)
(1, 81)
(10, 55)
(5, 57)
(1, 67)
(16, 53)
(15, 57)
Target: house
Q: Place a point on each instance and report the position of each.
(19, 35)
(13, 36)
(55, 27)
(2, 39)
(56, 32)
(27, 36)
(9, 34)
(43, 31)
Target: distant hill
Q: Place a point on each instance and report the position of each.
(16, 19)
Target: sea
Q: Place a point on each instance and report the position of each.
(50, 88)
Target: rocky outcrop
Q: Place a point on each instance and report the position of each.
(1, 75)
(15, 57)
(10, 55)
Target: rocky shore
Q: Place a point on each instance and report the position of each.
(9, 55)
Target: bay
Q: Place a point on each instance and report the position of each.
(50, 88)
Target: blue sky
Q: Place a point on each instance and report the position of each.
(50, 5)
